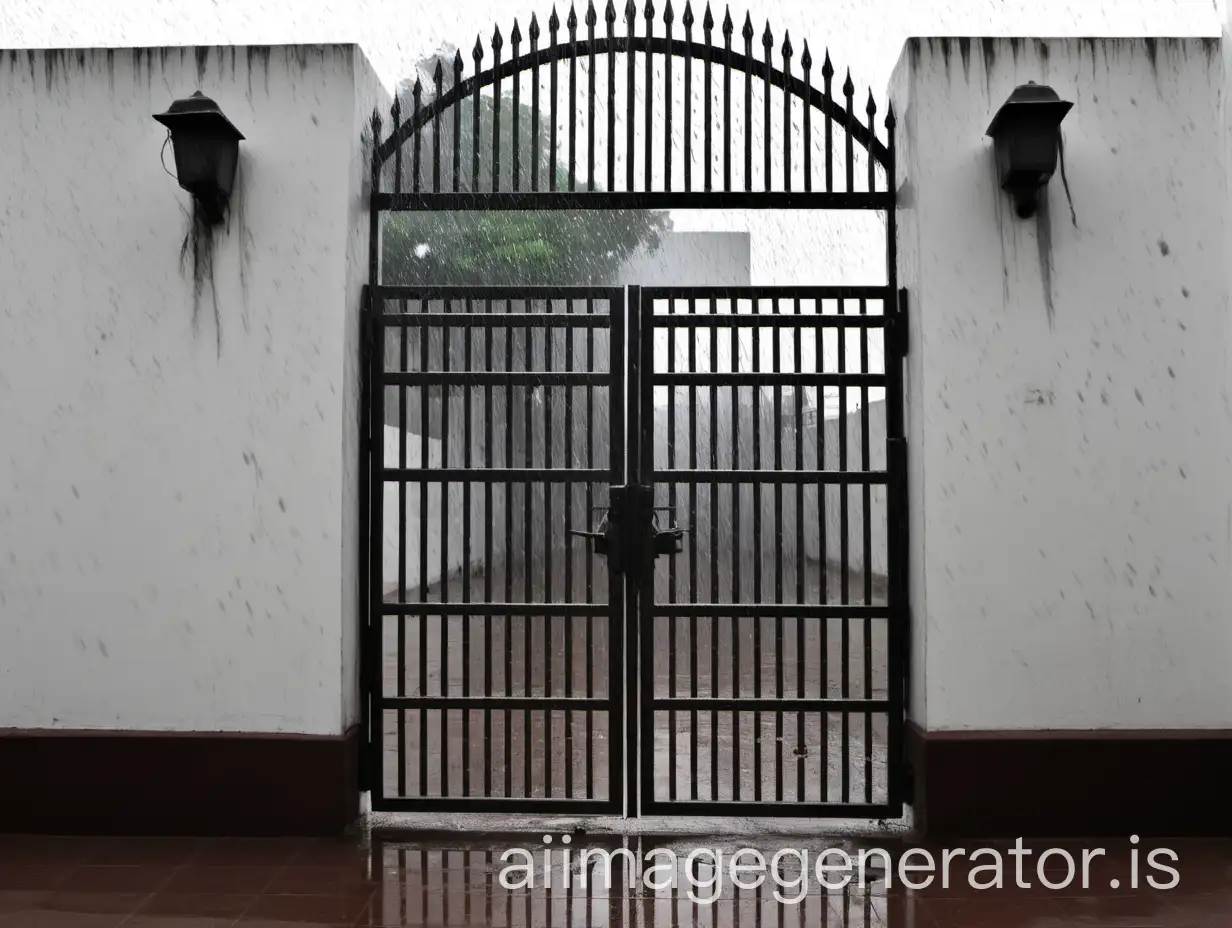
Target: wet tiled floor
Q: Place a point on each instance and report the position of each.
(453, 880)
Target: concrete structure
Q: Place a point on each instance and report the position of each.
(178, 520)
(1069, 436)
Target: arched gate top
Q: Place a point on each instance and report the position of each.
(767, 134)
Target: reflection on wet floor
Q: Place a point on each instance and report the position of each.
(442, 881)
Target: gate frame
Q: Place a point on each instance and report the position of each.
(707, 54)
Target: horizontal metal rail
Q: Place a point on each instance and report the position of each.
(770, 610)
(515, 292)
(549, 703)
(758, 321)
(635, 199)
(720, 379)
(786, 809)
(823, 477)
(767, 705)
(497, 474)
(499, 320)
(479, 378)
(495, 609)
(786, 292)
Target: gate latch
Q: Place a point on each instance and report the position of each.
(629, 520)
(668, 540)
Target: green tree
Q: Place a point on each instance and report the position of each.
(509, 247)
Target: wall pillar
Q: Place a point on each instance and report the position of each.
(1069, 432)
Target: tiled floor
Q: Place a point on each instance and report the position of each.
(455, 881)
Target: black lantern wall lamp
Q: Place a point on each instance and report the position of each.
(1026, 134)
(207, 148)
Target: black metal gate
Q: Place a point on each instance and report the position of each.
(636, 567)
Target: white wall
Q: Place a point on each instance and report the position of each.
(1068, 416)
(175, 549)
(690, 259)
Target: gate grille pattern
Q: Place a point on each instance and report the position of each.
(497, 680)
(766, 642)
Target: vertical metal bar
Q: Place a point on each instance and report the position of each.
(672, 596)
(569, 488)
(645, 569)
(693, 526)
(622, 749)
(844, 559)
(457, 122)
(748, 107)
(630, 101)
(528, 461)
(488, 564)
(787, 50)
(777, 361)
(497, 44)
(849, 140)
(634, 473)
(727, 139)
(667, 98)
(648, 128)
(438, 78)
(871, 111)
(509, 554)
(467, 441)
(396, 112)
(376, 525)
(824, 557)
(737, 767)
(534, 103)
(446, 346)
(801, 668)
(476, 127)
(687, 20)
(516, 39)
(866, 535)
(756, 489)
(708, 131)
(827, 75)
(549, 336)
(553, 28)
(572, 25)
(767, 42)
(425, 339)
(416, 95)
(587, 647)
(591, 19)
(714, 540)
(806, 62)
(609, 17)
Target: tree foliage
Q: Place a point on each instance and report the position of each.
(512, 247)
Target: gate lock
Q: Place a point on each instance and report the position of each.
(629, 510)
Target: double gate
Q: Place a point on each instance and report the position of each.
(618, 558)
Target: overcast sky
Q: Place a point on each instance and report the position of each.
(865, 35)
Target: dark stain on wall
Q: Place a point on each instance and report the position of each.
(1043, 236)
(988, 48)
(964, 52)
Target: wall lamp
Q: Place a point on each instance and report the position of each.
(1026, 134)
(207, 148)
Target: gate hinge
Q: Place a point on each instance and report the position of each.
(898, 325)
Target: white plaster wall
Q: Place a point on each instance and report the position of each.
(173, 546)
(690, 259)
(1069, 419)
(369, 94)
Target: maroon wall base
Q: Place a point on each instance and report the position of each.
(199, 783)
(1071, 784)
